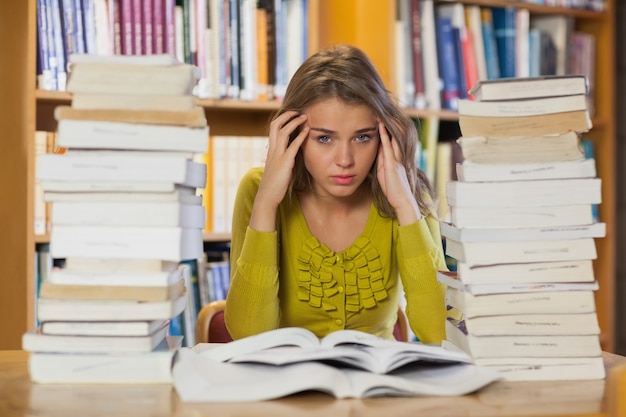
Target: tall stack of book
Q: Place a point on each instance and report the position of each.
(522, 232)
(125, 214)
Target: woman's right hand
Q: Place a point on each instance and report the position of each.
(279, 164)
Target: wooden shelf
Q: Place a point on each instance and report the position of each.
(368, 24)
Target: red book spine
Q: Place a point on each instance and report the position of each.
(147, 27)
(137, 28)
(158, 25)
(126, 20)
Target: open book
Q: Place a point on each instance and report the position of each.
(344, 364)
(351, 348)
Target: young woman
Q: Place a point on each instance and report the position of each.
(339, 220)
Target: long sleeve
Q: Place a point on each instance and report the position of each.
(420, 255)
(252, 304)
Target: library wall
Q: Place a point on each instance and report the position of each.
(620, 155)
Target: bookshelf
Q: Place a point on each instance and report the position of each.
(365, 23)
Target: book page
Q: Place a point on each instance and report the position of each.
(287, 336)
(201, 379)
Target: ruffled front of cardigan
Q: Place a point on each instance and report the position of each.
(362, 272)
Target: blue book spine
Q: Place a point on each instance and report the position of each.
(59, 45)
(458, 49)
(504, 28)
(448, 67)
(89, 26)
(489, 44)
(45, 52)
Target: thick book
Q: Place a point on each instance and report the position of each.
(77, 186)
(451, 279)
(50, 309)
(198, 372)
(87, 101)
(101, 276)
(177, 79)
(522, 346)
(549, 302)
(492, 253)
(530, 87)
(126, 242)
(555, 192)
(154, 367)
(37, 341)
(158, 59)
(94, 134)
(180, 194)
(541, 124)
(521, 149)
(594, 230)
(135, 214)
(534, 272)
(200, 379)
(102, 328)
(519, 217)
(467, 171)
(351, 348)
(121, 168)
(139, 269)
(192, 118)
(526, 107)
(112, 292)
(546, 369)
(533, 324)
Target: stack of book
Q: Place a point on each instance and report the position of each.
(522, 232)
(125, 214)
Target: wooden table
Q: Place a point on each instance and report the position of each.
(19, 397)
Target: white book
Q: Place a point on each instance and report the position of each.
(92, 134)
(163, 243)
(103, 328)
(125, 78)
(558, 302)
(49, 309)
(115, 276)
(120, 266)
(109, 368)
(185, 195)
(36, 341)
(150, 60)
(594, 230)
(546, 369)
(524, 346)
(77, 186)
(88, 101)
(135, 214)
(558, 192)
(451, 279)
(526, 107)
(521, 217)
(475, 172)
(563, 271)
(121, 168)
(533, 324)
(492, 253)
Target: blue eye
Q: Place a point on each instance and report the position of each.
(363, 138)
(323, 139)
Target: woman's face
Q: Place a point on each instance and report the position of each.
(341, 147)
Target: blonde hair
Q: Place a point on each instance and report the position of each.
(346, 73)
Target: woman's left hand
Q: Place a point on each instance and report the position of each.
(393, 180)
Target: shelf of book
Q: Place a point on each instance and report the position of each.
(26, 109)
